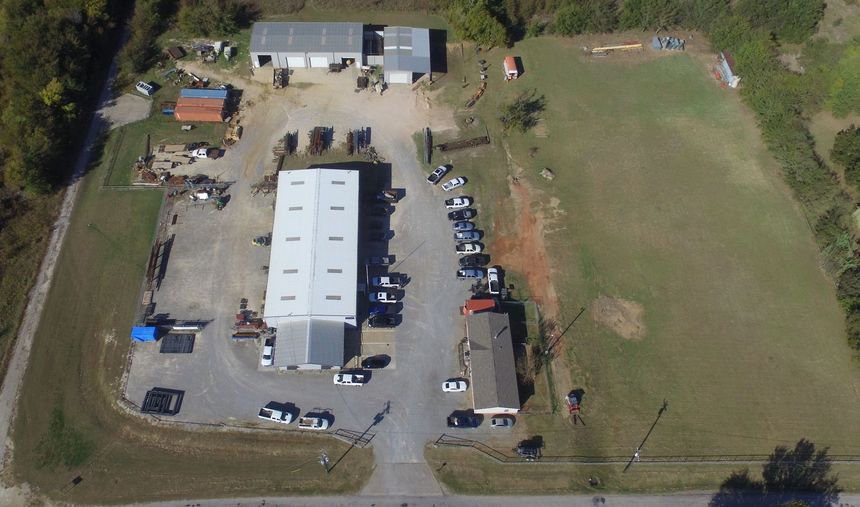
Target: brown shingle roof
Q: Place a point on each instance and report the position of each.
(494, 378)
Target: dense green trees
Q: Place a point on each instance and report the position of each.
(48, 51)
(214, 17)
(649, 14)
(145, 25)
(479, 21)
(798, 476)
(592, 16)
(789, 20)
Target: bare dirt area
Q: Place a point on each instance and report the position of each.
(622, 316)
(521, 245)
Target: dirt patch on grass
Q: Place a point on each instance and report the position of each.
(520, 246)
(622, 316)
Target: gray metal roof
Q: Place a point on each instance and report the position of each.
(406, 49)
(494, 377)
(309, 342)
(274, 37)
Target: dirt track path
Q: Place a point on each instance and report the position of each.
(36, 298)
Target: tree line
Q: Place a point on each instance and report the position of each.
(48, 59)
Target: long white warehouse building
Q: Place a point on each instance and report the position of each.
(313, 269)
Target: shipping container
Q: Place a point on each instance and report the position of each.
(194, 102)
(203, 93)
(190, 113)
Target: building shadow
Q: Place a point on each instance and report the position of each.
(519, 335)
(438, 51)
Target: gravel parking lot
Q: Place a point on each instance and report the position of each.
(212, 265)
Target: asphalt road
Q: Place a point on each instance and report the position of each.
(681, 500)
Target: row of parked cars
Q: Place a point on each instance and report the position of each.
(466, 234)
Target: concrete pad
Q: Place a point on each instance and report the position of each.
(125, 109)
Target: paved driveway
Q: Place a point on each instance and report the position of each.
(213, 264)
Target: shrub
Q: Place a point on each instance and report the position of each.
(845, 87)
(522, 113)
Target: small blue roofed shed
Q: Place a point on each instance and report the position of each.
(203, 93)
(144, 334)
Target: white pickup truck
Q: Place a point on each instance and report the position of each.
(274, 412)
(350, 379)
(312, 423)
(389, 281)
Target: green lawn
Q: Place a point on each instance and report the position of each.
(668, 198)
(68, 422)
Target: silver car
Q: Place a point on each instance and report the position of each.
(463, 225)
(467, 236)
(463, 274)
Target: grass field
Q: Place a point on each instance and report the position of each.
(68, 423)
(665, 196)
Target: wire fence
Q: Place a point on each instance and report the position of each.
(499, 456)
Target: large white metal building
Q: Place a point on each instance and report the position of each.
(300, 45)
(405, 54)
(313, 269)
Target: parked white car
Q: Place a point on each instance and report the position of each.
(493, 280)
(349, 379)
(200, 153)
(458, 202)
(468, 248)
(275, 412)
(437, 174)
(383, 297)
(454, 386)
(453, 183)
(309, 422)
(268, 356)
(391, 280)
(501, 422)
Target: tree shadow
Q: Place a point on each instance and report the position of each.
(791, 476)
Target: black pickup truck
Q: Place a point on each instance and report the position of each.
(463, 421)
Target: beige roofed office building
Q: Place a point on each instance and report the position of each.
(313, 267)
(493, 371)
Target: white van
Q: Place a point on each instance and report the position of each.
(144, 88)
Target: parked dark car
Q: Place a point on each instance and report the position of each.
(528, 451)
(462, 214)
(376, 362)
(380, 321)
(379, 211)
(380, 260)
(474, 260)
(379, 235)
(376, 225)
(378, 309)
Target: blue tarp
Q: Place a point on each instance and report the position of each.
(201, 93)
(143, 334)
